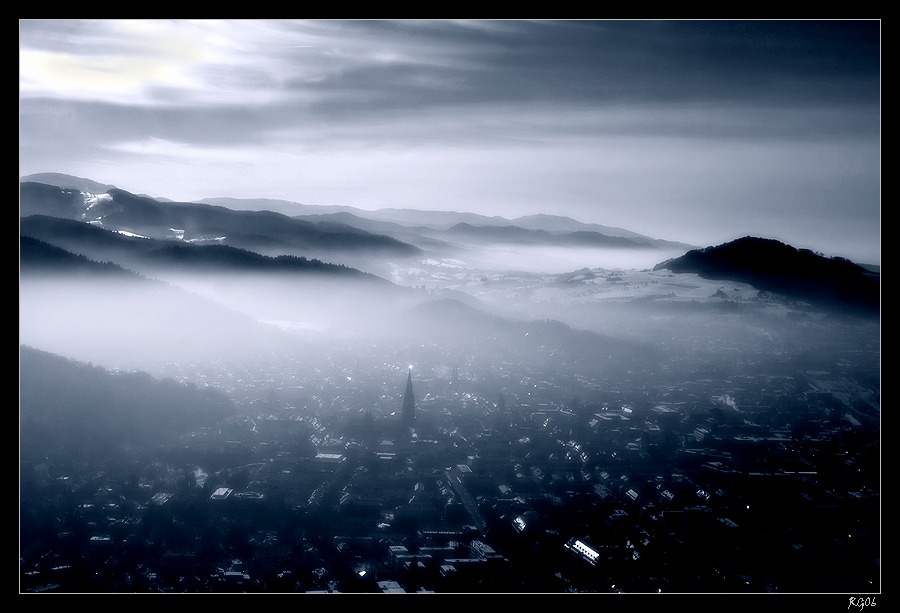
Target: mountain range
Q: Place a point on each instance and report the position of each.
(150, 254)
(153, 236)
(275, 225)
(142, 216)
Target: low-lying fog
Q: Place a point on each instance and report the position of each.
(547, 309)
(556, 260)
(464, 260)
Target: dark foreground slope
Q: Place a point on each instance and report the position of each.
(72, 410)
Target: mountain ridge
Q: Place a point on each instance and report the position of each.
(834, 283)
(138, 252)
(765, 263)
(402, 218)
(515, 234)
(65, 181)
(37, 256)
(121, 210)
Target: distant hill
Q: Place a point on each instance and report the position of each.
(255, 230)
(285, 207)
(84, 238)
(98, 310)
(68, 182)
(257, 223)
(559, 223)
(36, 256)
(466, 327)
(832, 283)
(404, 223)
(143, 253)
(76, 183)
(517, 235)
(418, 226)
(47, 199)
(223, 258)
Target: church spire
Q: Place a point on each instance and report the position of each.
(409, 403)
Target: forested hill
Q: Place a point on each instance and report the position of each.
(71, 409)
(835, 283)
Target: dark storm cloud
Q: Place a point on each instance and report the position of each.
(599, 62)
(364, 71)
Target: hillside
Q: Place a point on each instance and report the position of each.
(146, 254)
(99, 311)
(71, 409)
(262, 231)
(70, 182)
(832, 283)
(36, 256)
(450, 322)
(515, 234)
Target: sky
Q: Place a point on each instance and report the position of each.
(692, 131)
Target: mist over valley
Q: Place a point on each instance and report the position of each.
(150, 330)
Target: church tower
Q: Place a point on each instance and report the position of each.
(409, 404)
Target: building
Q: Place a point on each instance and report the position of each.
(583, 550)
(409, 404)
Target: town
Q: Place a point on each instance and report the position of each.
(740, 472)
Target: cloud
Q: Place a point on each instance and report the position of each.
(618, 122)
(400, 64)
